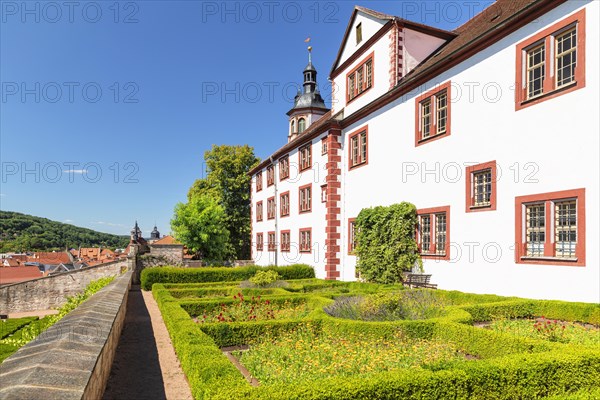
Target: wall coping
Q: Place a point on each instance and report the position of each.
(72, 359)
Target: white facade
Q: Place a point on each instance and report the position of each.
(548, 147)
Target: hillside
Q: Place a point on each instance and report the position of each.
(21, 232)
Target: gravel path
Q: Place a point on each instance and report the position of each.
(145, 365)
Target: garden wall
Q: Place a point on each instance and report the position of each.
(73, 358)
(52, 291)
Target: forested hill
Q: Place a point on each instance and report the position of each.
(22, 232)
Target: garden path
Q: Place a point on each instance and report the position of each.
(145, 365)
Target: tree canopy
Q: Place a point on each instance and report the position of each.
(22, 232)
(227, 181)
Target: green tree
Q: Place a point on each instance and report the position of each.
(386, 245)
(227, 180)
(200, 225)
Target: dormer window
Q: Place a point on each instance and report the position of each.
(301, 125)
(359, 33)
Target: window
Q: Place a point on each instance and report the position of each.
(358, 148)
(259, 211)
(292, 127)
(359, 33)
(323, 193)
(285, 241)
(301, 125)
(270, 175)
(305, 240)
(305, 200)
(433, 232)
(433, 114)
(552, 62)
(260, 244)
(481, 187)
(304, 153)
(284, 168)
(284, 204)
(550, 228)
(271, 208)
(259, 182)
(351, 235)
(324, 146)
(271, 245)
(360, 79)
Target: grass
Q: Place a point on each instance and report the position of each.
(305, 355)
(552, 330)
(10, 326)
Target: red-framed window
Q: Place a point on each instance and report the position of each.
(324, 146)
(550, 228)
(305, 240)
(260, 244)
(259, 182)
(271, 243)
(358, 148)
(551, 62)
(360, 79)
(270, 175)
(284, 204)
(433, 232)
(284, 168)
(432, 114)
(285, 241)
(305, 198)
(351, 235)
(323, 193)
(271, 208)
(259, 211)
(305, 157)
(481, 186)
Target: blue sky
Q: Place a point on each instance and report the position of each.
(107, 108)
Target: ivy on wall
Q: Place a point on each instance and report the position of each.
(386, 245)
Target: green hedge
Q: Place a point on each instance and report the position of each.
(10, 326)
(219, 274)
(506, 366)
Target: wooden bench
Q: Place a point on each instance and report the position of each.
(418, 280)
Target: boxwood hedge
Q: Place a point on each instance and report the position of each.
(506, 366)
(151, 276)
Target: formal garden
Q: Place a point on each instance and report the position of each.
(296, 337)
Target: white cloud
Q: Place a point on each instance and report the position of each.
(109, 224)
(75, 171)
(68, 221)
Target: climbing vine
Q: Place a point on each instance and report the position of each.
(386, 245)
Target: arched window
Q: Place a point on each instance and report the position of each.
(292, 127)
(301, 125)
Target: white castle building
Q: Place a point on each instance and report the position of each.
(491, 130)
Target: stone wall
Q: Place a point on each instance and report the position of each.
(52, 291)
(73, 358)
(171, 252)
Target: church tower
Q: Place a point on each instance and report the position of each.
(308, 103)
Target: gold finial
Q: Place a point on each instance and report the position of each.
(309, 48)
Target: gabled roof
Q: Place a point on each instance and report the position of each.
(166, 240)
(50, 258)
(384, 17)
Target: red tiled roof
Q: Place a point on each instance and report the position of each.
(18, 274)
(167, 240)
(50, 258)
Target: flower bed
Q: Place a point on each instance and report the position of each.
(550, 329)
(304, 354)
(329, 357)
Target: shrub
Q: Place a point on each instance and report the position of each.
(385, 242)
(264, 278)
(151, 276)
